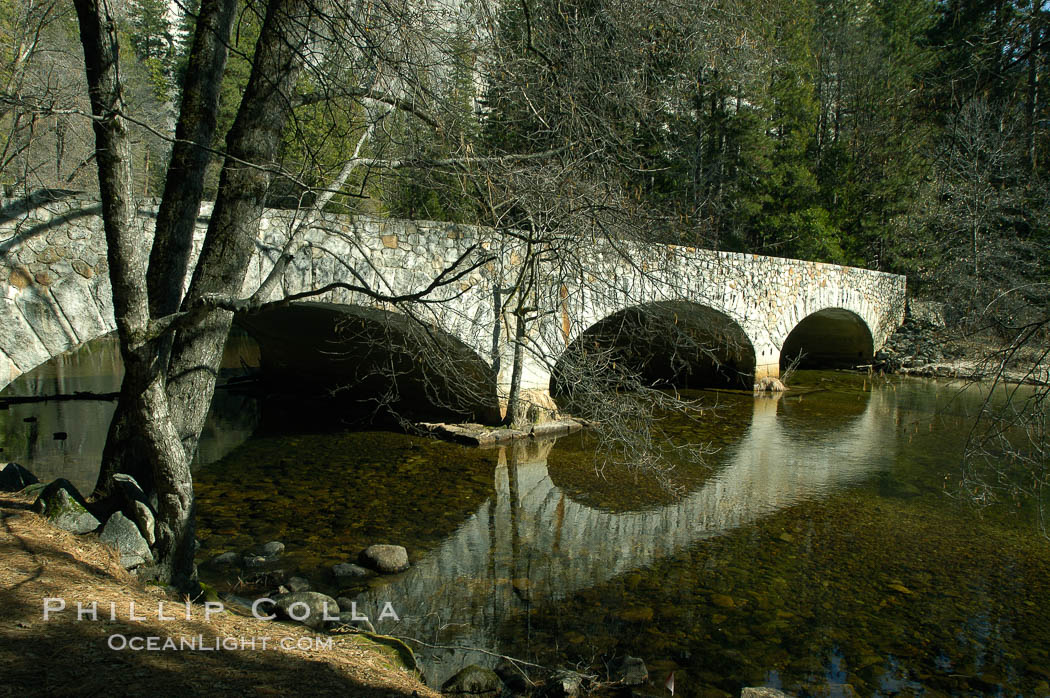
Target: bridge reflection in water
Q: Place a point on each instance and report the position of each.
(532, 544)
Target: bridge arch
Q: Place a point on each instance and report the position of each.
(668, 343)
(829, 338)
(373, 359)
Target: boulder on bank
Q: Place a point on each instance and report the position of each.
(62, 505)
(387, 559)
(473, 680)
(123, 534)
(14, 478)
(310, 608)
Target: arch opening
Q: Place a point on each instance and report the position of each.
(369, 365)
(671, 344)
(829, 338)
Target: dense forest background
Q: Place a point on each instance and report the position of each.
(904, 135)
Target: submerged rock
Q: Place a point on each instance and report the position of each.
(348, 573)
(473, 680)
(14, 478)
(123, 534)
(387, 559)
(298, 584)
(271, 551)
(227, 559)
(64, 507)
(763, 692)
(564, 684)
(632, 672)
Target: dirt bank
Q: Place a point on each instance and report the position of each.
(66, 656)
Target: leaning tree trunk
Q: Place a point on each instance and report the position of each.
(252, 145)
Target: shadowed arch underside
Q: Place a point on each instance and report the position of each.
(372, 363)
(829, 338)
(679, 344)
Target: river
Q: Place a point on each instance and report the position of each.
(822, 540)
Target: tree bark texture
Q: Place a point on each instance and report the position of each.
(252, 145)
(142, 390)
(124, 451)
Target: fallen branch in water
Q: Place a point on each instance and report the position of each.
(79, 395)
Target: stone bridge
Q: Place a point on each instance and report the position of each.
(747, 314)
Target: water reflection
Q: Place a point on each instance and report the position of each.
(532, 544)
(64, 438)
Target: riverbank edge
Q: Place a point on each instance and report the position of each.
(979, 371)
(44, 562)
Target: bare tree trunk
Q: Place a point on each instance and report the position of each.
(124, 451)
(162, 411)
(194, 132)
(514, 406)
(143, 387)
(1032, 101)
(252, 145)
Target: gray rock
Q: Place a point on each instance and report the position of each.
(14, 478)
(241, 603)
(632, 672)
(63, 506)
(254, 562)
(228, 559)
(307, 607)
(34, 489)
(123, 534)
(348, 573)
(387, 559)
(271, 551)
(473, 680)
(347, 618)
(564, 684)
(513, 677)
(763, 692)
(298, 584)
